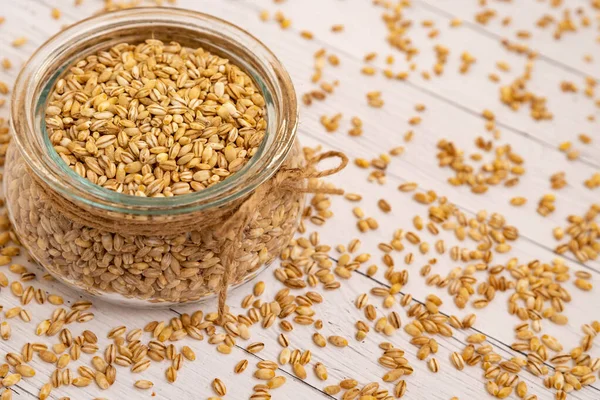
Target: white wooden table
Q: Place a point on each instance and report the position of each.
(454, 104)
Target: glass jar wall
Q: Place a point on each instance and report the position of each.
(152, 250)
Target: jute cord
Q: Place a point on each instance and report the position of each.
(285, 179)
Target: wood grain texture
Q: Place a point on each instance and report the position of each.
(454, 105)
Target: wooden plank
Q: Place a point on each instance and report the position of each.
(568, 52)
(360, 359)
(194, 379)
(580, 311)
(472, 92)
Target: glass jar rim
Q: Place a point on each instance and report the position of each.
(47, 64)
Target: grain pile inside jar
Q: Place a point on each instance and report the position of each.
(154, 119)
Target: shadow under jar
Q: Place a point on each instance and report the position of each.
(151, 250)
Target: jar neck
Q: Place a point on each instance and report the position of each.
(191, 29)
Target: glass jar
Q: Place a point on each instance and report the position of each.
(152, 250)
